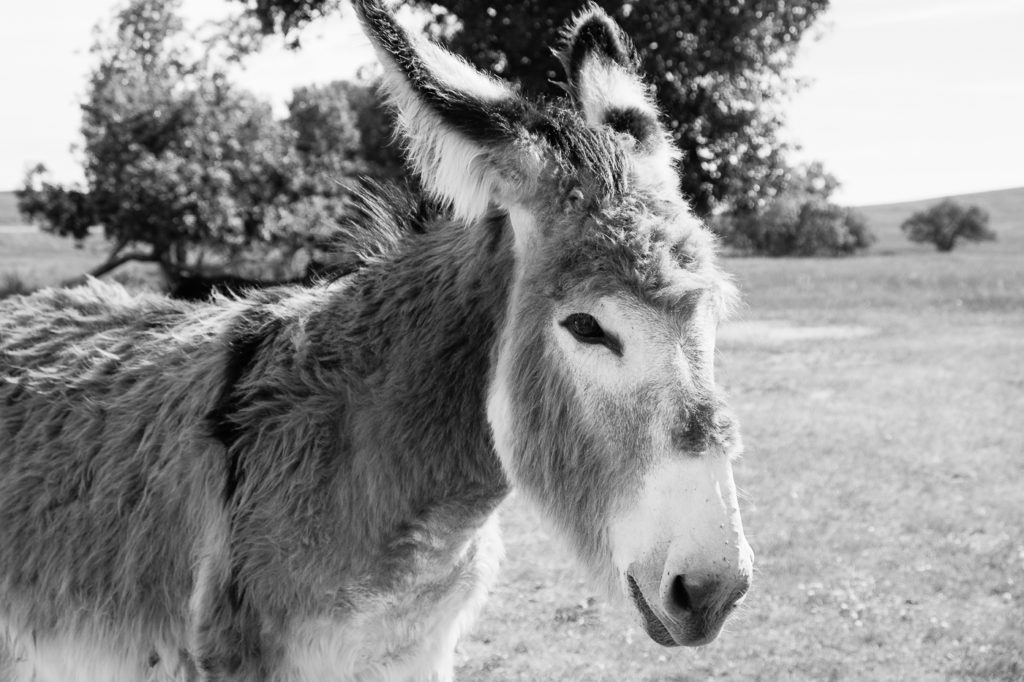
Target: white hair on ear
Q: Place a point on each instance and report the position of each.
(604, 86)
(656, 166)
(455, 169)
(458, 74)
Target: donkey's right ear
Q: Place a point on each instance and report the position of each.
(463, 129)
(604, 79)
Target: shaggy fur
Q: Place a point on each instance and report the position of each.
(294, 456)
(300, 484)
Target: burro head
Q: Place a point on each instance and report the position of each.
(602, 402)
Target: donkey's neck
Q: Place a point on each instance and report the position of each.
(418, 332)
(358, 435)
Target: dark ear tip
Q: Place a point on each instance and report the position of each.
(594, 33)
(365, 8)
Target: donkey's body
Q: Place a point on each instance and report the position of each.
(300, 484)
(301, 480)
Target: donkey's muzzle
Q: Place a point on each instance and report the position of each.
(691, 609)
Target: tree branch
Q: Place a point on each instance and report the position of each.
(110, 264)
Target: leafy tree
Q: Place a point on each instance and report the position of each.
(342, 130)
(287, 16)
(720, 67)
(180, 165)
(811, 180)
(946, 222)
(186, 170)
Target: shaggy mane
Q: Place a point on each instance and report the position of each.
(382, 217)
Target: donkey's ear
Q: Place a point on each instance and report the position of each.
(463, 128)
(604, 78)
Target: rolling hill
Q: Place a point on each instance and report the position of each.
(1005, 208)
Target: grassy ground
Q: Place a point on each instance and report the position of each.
(40, 259)
(31, 259)
(884, 479)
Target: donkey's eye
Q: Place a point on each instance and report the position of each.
(585, 329)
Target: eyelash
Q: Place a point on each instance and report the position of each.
(585, 329)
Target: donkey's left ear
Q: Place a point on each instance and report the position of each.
(464, 130)
(604, 78)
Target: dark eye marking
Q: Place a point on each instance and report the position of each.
(586, 329)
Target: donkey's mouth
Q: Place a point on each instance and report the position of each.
(654, 626)
(696, 628)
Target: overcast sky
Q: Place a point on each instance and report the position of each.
(908, 98)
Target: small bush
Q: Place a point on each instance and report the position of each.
(827, 229)
(792, 226)
(946, 222)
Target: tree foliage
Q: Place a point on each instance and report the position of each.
(720, 68)
(946, 222)
(343, 129)
(179, 164)
(66, 212)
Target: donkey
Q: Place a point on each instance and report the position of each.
(301, 483)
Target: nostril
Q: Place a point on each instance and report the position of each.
(691, 594)
(679, 596)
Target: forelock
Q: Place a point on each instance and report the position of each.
(578, 149)
(653, 248)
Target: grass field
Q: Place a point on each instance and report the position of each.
(882, 399)
(9, 209)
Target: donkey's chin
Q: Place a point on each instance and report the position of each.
(694, 629)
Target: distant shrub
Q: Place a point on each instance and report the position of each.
(828, 229)
(11, 284)
(799, 221)
(946, 222)
(66, 212)
(791, 226)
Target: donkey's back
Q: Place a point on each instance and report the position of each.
(103, 472)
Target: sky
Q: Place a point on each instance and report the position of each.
(906, 99)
